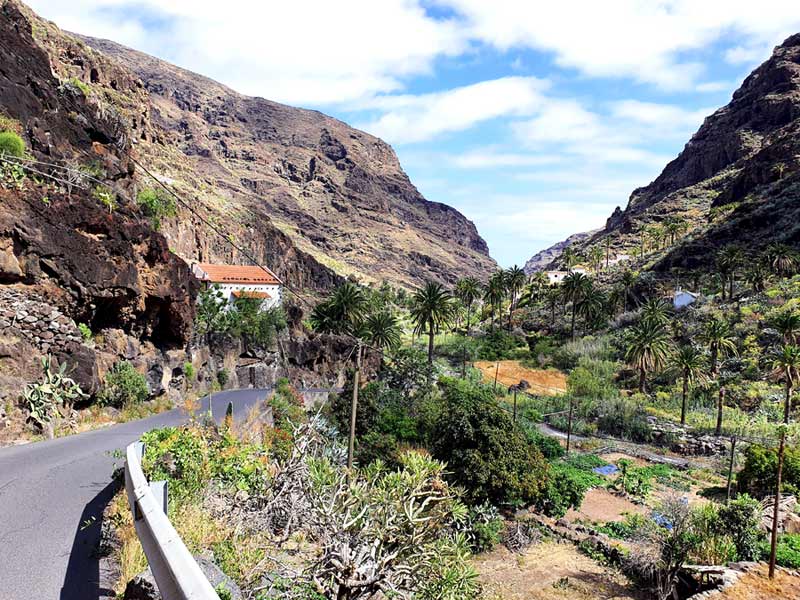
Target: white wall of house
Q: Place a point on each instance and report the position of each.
(274, 292)
(682, 298)
(556, 277)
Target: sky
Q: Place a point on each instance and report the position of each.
(534, 118)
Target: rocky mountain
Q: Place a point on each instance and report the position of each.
(339, 194)
(737, 180)
(544, 258)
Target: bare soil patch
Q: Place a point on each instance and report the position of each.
(550, 570)
(601, 505)
(510, 372)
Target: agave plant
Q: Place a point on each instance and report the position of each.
(55, 390)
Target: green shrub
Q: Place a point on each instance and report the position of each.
(105, 196)
(123, 385)
(549, 446)
(483, 527)
(11, 144)
(498, 345)
(566, 487)
(86, 333)
(625, 529)
(758, 476)
(485, 453)
(787, 552)
(624, 418)
(223, 377)
(188, 371)
(741, 520)
(179, 456)
(156, 204)
(55, 390)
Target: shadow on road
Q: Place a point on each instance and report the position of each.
(83, 579)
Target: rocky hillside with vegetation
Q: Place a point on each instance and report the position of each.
(544, 258)
(737, 179)
(339, 194)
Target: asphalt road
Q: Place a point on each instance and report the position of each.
(52, 496)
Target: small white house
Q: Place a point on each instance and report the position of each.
(556, 277)
(683, 298)
(241, 281)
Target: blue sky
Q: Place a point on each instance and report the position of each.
(535, 119)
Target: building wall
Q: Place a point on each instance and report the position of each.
(274, 291)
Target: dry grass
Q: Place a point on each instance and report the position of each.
(550, 570)
(755, 585)
(511, 372)
(129, 555)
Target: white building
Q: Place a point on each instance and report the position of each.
(618, 259)
(682, 298)
(556, 277)
(241, 281)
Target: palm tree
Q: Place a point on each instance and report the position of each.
(788, 325)
(648, 349)
(382, 330)
(717, 336)
(688, 363)
(656, 311)
(343, 312)
(656, 234)
(495, 292)
(628, 281)
(539, 281)
(596, 257)
(782, 259)
(592, 307)
(755, 275)
(431, 309)
(786, 363)
(673, 228)
(574, 287)
(515, 280)
(569, 257)
(728, 261)
(468, 290)
(553, 297)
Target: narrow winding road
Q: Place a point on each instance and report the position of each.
(52, 496)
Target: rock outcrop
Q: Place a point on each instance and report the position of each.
(338, 194)
(736, 181)
(544, 259)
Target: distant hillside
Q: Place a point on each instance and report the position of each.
(544, 258)
(736, 181)
(339, 194)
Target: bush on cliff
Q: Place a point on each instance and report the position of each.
(11, 144)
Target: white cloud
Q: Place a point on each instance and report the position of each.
(408, 118)
(489, 159)
(646, 41)
(302, 52)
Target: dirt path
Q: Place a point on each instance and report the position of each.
(510, 372)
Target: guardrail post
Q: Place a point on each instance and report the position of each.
(159, 489)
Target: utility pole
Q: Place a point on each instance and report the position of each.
(730, 468)
(515, 405)
(569, 424)
(353, 409)
(496, 370)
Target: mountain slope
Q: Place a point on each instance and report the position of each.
(338, 193)
(544, 258)
(736, 181)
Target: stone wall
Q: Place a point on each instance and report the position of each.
(29, 316)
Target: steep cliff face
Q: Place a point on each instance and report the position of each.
(736, 181)
(339, 194)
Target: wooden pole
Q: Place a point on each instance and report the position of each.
(496, 370)
(353, 409)
(515, 405)
(569, 425)
(730, 467)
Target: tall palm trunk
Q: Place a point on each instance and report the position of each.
(642, 380)
(731, 280)
(574, 311)
(773, 542)
(430, 343)
(683, 399)
(720, 403)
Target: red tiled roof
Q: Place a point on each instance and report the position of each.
(246, 294)
(246, 274)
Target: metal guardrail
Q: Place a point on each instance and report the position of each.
(177, 574)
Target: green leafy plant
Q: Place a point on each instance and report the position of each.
(53, 391)
(123, 385)
(157, 205)
(86, 333)
(11, 144)
(223, 376)
(106, 197)
(188, 371)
